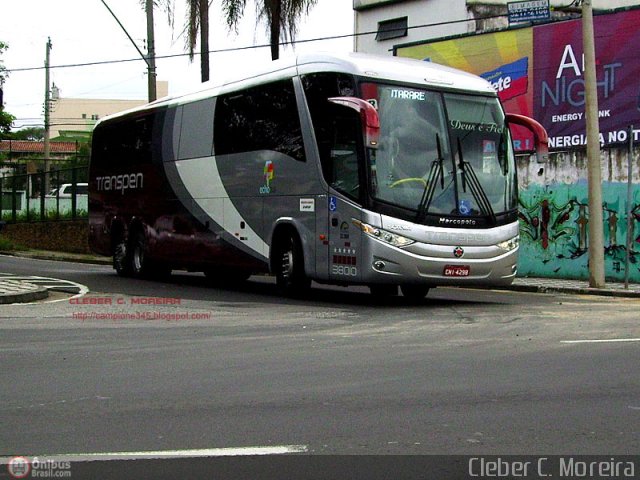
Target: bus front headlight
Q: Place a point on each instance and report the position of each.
(510, 244)
(383, 235)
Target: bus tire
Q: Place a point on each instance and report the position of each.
(137, 254)
(414, 292)
(120, 261)
(289, 266)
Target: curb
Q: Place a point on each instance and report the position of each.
(77, 258)
(574, 290)
(25, 293)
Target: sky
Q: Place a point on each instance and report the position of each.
(83, 31)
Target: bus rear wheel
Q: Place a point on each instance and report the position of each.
(120, 261)
(289, 267)
(130, 259)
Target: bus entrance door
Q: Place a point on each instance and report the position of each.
(344, 241)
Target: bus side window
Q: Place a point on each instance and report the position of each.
(341, 164)
(259, 118)
(196, 137)
(336, 130)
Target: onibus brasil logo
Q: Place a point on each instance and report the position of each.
(22, 467)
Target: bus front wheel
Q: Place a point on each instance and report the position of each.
(289, 267)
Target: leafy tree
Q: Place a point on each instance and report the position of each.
(197, 22)
(281, 18)
(6, 119)
(35, 134)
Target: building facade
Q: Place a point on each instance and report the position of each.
(380, 25)
(81, 114)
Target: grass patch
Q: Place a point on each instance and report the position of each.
(7, 245)
(50, 216)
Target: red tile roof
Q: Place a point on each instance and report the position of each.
(25, 146)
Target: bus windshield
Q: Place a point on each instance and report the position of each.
(441, 154)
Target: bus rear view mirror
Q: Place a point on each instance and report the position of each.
(540, 136)
(368, 115)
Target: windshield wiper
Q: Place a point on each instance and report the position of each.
(437, 169)
(474, 185)
(461, 165)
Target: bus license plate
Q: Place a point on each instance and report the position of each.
(457, 270)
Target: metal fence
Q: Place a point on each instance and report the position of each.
(40, 197)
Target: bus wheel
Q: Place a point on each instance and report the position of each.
(289, 267)
(414, 292)
(120, 261)
(135, 257)
(383, 290)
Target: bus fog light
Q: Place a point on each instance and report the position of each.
(379, 265)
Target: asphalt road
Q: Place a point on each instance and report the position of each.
(465, 372)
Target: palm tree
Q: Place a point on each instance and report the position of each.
(281, 16)
(198, 21)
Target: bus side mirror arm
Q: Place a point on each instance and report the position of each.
(368, 115)
(539, 133)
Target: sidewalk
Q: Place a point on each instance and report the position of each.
(16, 291)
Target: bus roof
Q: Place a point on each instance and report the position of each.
(365, 65)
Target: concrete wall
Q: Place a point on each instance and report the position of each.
(418, 12)
(63, 236)
(554, 216)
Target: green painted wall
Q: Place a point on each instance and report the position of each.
(554, 231)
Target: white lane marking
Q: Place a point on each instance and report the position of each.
(166, 454)
(608, 340)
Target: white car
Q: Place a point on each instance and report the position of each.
(66, 190)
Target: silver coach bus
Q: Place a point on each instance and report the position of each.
(345, 170)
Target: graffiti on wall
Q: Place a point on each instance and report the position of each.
(554, 225)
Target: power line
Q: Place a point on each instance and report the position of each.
(253, 47)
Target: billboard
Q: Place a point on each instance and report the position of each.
(538, 71)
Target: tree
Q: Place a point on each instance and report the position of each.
(281, 18)
(34, 134)
(6, 119)
(198, 22)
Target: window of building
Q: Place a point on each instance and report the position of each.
(389, 29)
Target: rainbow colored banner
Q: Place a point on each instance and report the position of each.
(537, 71)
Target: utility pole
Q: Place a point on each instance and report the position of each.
(151, 53)
(47, 121)
(150, 58)
(594, 174)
